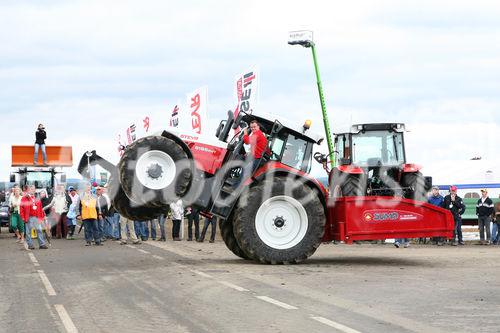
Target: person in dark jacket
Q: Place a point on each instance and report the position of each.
(40, 136)
(193, 215)
(209, 220)
(456, 205)
(436, 199)
(484, 211)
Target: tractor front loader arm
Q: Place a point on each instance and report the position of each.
(90, 158)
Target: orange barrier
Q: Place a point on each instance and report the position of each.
(57, 156)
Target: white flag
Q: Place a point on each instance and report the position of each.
(247, 91)
(197, 102)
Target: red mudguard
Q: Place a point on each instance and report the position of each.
(374, 217)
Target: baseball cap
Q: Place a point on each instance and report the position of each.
(484, 190)
(453, 188)
(71, 188)
(435, 187)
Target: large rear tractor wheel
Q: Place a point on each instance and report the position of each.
(155, 171)
(227, 233)
(347, 185)
(127, 208)
(415, 184)
(279, 221)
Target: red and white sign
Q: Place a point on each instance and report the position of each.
(246, 91)
(197, 103)
(389, 215)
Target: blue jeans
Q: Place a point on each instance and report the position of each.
(44, 153)
(401, 240)
(108, 226)
(153, 228)
(209, 221)
(194, 217)
(115, 224)
(91, 230)
(495, 233)
(100, 228)
(33, 223)
(140, 230)
(458, 229)
(161, 222)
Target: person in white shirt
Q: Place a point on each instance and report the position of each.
(60, 204)
(177, 215)
(73, 212)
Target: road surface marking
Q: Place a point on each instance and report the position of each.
(335, 325)
(157, 257)
(230, 285)
(278, 303)
(131, 246)
(201, 273)
(46, 283)
(65, 318)
(178, 265)
(33, 259)
(143, 251)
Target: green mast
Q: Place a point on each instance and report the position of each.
(305, 38)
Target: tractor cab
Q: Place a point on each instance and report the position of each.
(371, 160)
(288, 144)
(372, 146)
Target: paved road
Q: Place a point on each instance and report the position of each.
(192, 287)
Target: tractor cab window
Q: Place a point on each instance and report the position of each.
(39, 179)
(377, 148)
(277, 148)
(342, 148)
(292, 151)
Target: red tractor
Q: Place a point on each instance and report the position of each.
(278, 213)
(372, 161)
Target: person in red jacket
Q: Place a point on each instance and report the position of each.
(33, 216)
(257, 141)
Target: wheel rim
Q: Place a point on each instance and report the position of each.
(281, 222)
(155, 169)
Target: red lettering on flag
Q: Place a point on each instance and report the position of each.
(145, 122)
(195, 116)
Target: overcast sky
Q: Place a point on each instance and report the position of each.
(86, 68)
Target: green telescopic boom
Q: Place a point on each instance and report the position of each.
(305, 39)
(326, 123)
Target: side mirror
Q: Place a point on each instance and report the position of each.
(225, 126)
(238, 120)
(277, 127)
(63, 178)
(220, 127)
(12, 178)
